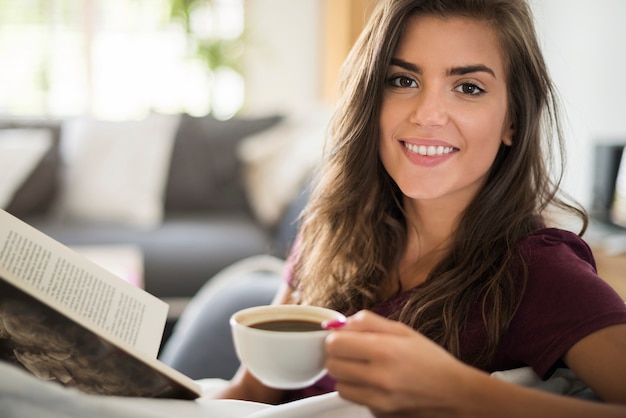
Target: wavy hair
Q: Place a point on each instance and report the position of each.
(353, 230)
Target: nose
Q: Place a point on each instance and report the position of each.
(429, 108)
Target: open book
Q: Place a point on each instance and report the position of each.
(66, 319)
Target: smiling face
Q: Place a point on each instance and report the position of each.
(444, 109)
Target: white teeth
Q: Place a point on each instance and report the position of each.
(428, 151)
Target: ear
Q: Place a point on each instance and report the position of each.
(507, 135)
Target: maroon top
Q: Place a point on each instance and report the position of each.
(564, 301)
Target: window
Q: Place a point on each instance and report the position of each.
(118, 59)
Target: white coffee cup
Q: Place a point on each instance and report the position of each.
(282, 359)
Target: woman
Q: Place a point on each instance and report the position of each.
(428, 224)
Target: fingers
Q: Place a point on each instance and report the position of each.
(360, 351)
(370, 384)
(363, 337)
(367, 321)
(387, 366)
(350, 345)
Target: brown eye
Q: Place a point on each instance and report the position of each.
(470, 89)
(401, 82)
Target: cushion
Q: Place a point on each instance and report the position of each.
(35, 187)
(116, 170)
(279, 161)
(204, 172)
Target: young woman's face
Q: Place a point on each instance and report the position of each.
(444, 109)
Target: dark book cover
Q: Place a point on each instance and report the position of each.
(53, 347)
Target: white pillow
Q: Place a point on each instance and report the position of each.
(278, 160)
(116, 170)
(20, 152)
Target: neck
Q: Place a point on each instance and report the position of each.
(429, 223)
(429, 231)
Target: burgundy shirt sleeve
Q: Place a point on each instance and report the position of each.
(565, 300)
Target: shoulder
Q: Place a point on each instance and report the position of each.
(560, 266)
(552, 249)
(550, 241)
(564, 298)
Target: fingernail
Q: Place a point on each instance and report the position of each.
(333, 324)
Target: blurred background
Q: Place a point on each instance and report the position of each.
(117, 59)
(169, 139)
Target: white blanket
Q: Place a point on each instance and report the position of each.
(22, 395)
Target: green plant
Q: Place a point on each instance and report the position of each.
(213, 50)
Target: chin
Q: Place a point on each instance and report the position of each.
(413, 194)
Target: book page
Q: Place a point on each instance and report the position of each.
(50, 270)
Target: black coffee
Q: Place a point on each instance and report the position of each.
(288, 325)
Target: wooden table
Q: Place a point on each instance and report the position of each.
(612, 268)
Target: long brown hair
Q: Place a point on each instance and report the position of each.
(354, 231)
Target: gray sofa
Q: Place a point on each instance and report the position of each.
(208, 223)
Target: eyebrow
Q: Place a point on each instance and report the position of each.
(462, 70)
